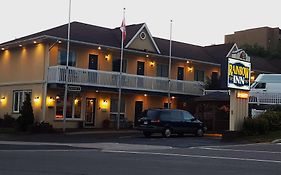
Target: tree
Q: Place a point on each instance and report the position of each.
(26, 118)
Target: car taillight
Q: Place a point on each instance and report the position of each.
(155, 121)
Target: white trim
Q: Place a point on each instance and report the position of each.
(22, 83)
(231, 50)
(137, 34)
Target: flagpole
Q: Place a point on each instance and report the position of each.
(170, 62)
(120, 75)
(66, 74)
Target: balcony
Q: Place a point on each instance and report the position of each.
(97, 78)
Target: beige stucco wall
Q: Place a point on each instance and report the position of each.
(22, 64)
(143, 44)
(7, 92)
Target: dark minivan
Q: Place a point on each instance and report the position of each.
(169, 121)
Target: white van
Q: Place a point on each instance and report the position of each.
(269, 83)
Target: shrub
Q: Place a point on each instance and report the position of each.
(273, 118)
(8, 121)
(255, 126)
(26, 119)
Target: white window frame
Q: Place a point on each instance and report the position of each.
(20, 99)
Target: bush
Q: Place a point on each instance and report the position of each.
(8, 121)
(273, 118)
(26, 119)
(255, 126)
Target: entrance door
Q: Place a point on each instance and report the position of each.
(138, 111)
(140, 68)
(180, 73)
(93, 61)
(90, 113)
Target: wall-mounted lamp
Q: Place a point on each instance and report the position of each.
(76, 101)
(103, 105)
(173, 97)
(187, 62)
(34, 42)
(107, 57)
(190, 69)
(37, 99)
(145, 95)
(51, 102)
(99, 47)
(2, 99)
(152, 63)
(20, 45)
(97, 91)
(57, 97)
(3, 48)
(146, 56)
(59, 42)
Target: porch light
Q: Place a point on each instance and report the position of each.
(37, 99)
(2, 99)
(57, 97)
(59, 42)
(187, 62)
(107, 57)
(97, 91)
(104, 105)
(173, 97)
(76, 101)
(20, 45)
(152, 63)
(34, 42)
(146, 56)
(51, 102)
(145, 95)
(99, 48)
(190, 69)
(2, 48)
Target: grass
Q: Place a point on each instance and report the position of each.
(269, 137)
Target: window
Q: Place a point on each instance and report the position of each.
(199, 75)
(162, 70)
(187, 116)
(116, 65)
(73, 107)
(260, 86)
(63, 56)
(18, 99)
(114, 109)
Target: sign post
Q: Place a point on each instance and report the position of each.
(238, 81)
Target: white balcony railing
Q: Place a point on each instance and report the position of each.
(86, 77)
(265, 98)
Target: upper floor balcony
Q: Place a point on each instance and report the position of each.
(98, 78)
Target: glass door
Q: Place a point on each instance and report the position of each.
(90, 112)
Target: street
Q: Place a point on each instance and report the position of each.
(137, 155)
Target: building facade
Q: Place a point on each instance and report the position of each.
(35, 65)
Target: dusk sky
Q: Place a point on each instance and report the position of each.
(199, 22)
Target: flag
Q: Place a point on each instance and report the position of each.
(123, 29)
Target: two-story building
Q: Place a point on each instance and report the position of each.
(35, 64)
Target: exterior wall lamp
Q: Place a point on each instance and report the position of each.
(37, 99)
(190, 69)
(107, 57)
(152, 63)
(3, 99)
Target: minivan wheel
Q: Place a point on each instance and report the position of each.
(146, 134)
(167, 132)
(199, 132)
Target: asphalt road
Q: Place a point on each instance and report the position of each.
(136, 155)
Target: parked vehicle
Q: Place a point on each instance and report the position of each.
(270, 83)
(169, 121)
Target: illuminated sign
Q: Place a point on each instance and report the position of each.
(238, 74)
(243, 95)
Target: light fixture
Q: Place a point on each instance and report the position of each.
(2, 48)
(3, 99)
(104, 105)
(146, 56)
(97, 91)
(36, 99)
(187, 62)
(34, 42)
(57, 97)
(189, 69)
(106, 57)
(59, 42)
(99, 48)
(76, 101)
(152, 63)
(173, 97)
(20, 45)
(145, 95)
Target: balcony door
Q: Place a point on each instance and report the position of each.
(93, 62)
(140, 68)
(138, 111)
(180, 73)
(90, 113)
